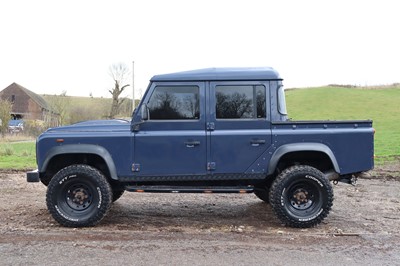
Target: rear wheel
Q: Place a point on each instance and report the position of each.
(301, 196)
(78, 195)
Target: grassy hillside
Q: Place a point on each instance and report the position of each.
(335, 103)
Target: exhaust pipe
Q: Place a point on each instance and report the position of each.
(335, 177)
(332, 175)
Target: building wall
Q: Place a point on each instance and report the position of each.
(33, 110)
(26, 108)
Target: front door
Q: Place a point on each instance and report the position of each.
(173, 141)
(238, 124)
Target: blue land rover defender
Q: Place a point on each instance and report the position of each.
(217, 130)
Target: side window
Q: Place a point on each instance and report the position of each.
(240, 102)
(281, 100)
(174, 103)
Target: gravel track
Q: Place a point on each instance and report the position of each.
(201, 229)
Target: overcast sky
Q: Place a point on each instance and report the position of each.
(54, 46)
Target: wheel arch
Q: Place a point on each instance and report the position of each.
(82, 152)
(300, 149)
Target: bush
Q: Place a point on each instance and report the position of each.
(34, 128)
(6, 151)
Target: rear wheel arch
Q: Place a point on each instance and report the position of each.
(317, 155)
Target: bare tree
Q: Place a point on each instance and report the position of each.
(165, 106)
(191, 104)
(120, 74)
(5, 109)
(59, 104)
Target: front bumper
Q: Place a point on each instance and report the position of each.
(33, 176)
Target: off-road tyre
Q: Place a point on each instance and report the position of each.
(78, 196)
(301, 196)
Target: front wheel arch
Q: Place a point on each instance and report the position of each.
(61, 156)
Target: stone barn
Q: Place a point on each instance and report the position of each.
(28, 105)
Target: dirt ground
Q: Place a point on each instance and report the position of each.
(201, 229)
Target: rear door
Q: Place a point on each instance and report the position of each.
(238, 126)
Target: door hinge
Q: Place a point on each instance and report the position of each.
(211, 166)
(210, 126)
(135, 167)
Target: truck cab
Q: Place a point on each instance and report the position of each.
(194, 123)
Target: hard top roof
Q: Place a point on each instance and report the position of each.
(243, 73)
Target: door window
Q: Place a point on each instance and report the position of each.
(174, 103)
(240, 102)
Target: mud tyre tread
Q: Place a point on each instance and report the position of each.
(78, 196)
(291, 187)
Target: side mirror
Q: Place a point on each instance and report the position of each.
(144, 112)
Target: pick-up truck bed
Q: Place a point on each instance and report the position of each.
(346, 139)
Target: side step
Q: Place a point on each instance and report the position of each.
(188, 189)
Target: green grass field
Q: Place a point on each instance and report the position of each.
(325, 103)
(17, 155)
(336, 103)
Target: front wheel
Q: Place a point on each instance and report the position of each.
(78, 196)
(301, 196)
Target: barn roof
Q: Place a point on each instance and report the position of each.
(35, 97)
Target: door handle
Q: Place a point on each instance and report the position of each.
(257, 142)
(191, 144)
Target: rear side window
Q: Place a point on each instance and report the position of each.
(174, 103)
(240, 102)
(282, 101)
